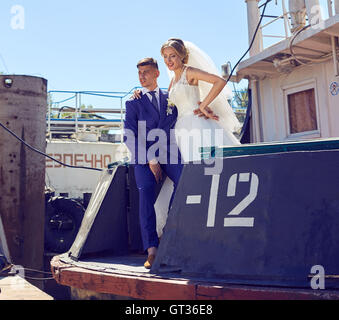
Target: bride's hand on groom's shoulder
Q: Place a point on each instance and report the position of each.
(136, 94)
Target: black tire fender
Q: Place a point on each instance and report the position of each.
(62, 222)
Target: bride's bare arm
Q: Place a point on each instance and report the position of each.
(170, 85)
(194, 75)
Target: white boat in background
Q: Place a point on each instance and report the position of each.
(82, 136)
(75, 183)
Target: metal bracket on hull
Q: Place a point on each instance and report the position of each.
(104, 226)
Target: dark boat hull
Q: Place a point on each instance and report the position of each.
(270, 217)
(265, 219)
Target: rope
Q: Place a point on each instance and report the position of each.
(251, 44)
(322, 59)
(44, 154)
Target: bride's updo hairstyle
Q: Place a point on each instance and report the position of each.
(179, 46)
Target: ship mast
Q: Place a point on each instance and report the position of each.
(253, 18)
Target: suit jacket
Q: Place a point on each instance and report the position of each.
(141, 118)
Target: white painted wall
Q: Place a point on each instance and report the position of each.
(274, 107)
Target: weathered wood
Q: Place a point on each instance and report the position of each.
(122, 285)
(17, 288)
(152, 287)
(82, 294)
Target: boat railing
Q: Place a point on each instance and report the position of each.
(70, 114)
(285, 16)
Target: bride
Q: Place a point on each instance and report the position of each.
(201, 99)
(205, 118)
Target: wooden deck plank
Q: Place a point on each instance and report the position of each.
(157, 288)
(17, 288)
(122, 285)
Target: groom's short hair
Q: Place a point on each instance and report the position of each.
(148, 62)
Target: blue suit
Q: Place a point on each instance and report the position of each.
(141, 137)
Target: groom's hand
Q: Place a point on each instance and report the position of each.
(156, 170)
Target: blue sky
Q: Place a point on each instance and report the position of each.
(95, 45)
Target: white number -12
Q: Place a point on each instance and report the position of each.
(234, 220)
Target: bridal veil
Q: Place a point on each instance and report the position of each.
(220, 106)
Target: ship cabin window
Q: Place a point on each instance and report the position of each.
(302, 111)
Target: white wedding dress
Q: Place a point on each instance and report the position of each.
(191, 131)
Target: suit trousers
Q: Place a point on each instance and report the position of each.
(146, 184)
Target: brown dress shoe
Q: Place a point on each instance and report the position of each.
(149, 261)
(6, 268)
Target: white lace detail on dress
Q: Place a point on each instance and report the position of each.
(184, 95)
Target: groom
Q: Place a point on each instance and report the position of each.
(148, 125)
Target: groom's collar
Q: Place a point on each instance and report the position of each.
(145, 90)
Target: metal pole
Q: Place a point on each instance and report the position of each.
(256, 123)
(335, 57)
(121, 123)
(286, 22)
(76, 115)
(49, 120)
(253, 18)
(336, 6)
(80, 104)
(329, 7)
(333, 39)
(297, 10)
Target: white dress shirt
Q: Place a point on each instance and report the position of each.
(146, 91)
